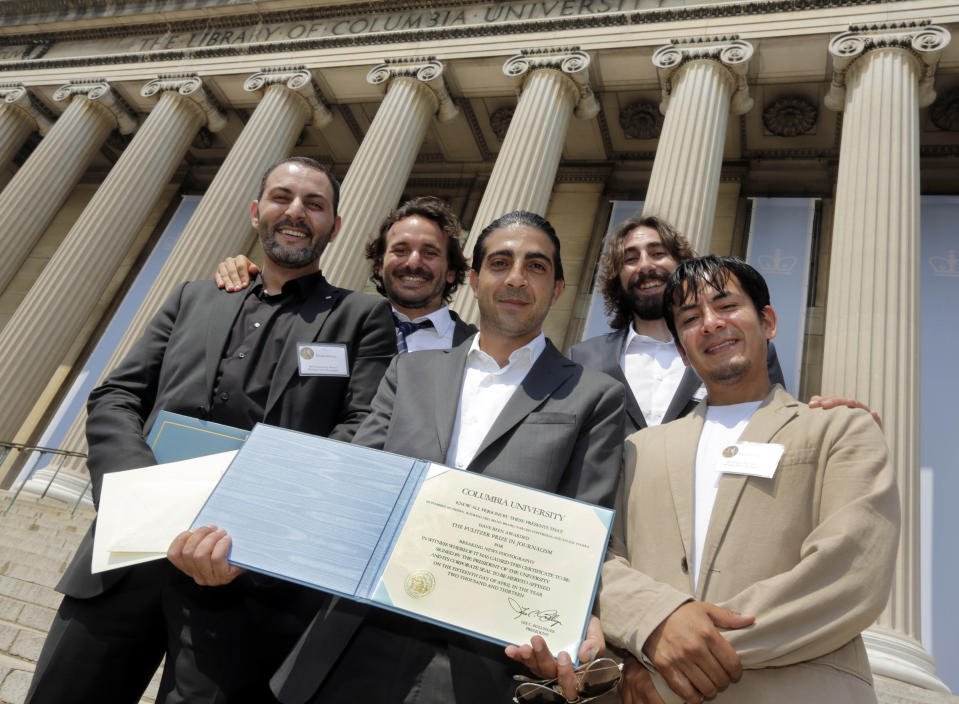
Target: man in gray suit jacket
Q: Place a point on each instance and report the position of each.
(506, 404)
(230, 359)
(416, 262)
(640, 353)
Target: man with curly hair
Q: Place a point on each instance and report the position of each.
(638, 258)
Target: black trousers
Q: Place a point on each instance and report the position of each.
(222, 644)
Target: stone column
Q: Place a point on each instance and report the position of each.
(701, 80)
(553, 85)
(53, 313)
(55, 166)
(19, 116)
(221, 224)
(415, 92)
(881, 77)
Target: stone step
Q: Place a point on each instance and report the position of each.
(55, 560)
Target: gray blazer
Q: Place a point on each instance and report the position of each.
(561, 431)
(603, 353)
(173, 367)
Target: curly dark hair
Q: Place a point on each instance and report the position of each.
(436, 211)
(617, 304)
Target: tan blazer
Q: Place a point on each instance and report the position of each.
(810, 553)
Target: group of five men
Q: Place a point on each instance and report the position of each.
(708, 572)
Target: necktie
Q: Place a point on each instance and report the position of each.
(405, 328)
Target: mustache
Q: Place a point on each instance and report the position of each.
(643, 278)
(409, 271)
(286, 222)
(513, 295)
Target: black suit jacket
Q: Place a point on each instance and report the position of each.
(561, 431)
(173, 367)
(461, 329)
(603, 353)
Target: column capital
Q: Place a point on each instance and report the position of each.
(99, 90)
(922, 40)
(569, 60)
(299, 80)
(731, 52)
(191, 87)
(425, 69)
(16, 96)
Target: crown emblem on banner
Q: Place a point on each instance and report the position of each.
(945, 266)
(777, 263)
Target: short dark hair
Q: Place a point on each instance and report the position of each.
(437, 212)
(616, 303)
(714, 271)
(310, 164)
(519, 217)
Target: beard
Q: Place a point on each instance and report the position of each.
(645, 306)
(287, 256)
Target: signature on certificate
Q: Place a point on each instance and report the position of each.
(550, 616)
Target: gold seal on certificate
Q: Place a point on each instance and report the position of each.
(498, 560)
(419, 583)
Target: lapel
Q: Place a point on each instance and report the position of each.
(461, 330)
(681, 441)
(306, 328)
(549, 372)
(777, 409)
(684, 394)
(612, 353)
(449, 366)
(225, 308)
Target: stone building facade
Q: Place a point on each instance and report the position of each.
(133, 136)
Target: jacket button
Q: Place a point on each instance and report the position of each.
(684, 565)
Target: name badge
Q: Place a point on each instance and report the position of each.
(754, 459)
(322, 359)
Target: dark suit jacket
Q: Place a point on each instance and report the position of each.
(173, 367)
(603, 353)
(561, 431)
(461, 329)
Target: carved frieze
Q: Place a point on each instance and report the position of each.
(299, 80)
(190, 86)
(500, 119)
(923, 40)
(99, 90)
(728, 50)
(790, 116)
(641, 119)
(569, 60)
(425, 69)
(944, 113)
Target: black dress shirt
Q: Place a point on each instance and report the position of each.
(253, 350)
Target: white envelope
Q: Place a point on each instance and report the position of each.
(142, 510)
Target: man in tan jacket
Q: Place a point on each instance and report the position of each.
(751, 560)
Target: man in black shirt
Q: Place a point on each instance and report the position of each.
(237, 360)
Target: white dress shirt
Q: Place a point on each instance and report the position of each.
(438, 337)
(487, 388)
(722, 428)
(653, 370)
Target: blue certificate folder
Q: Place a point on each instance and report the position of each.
(174, 437)
(327, 514)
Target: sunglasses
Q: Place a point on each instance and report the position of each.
(593, 680)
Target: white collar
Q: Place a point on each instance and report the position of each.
(440, 318)
(529, 352)
(644, 339)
